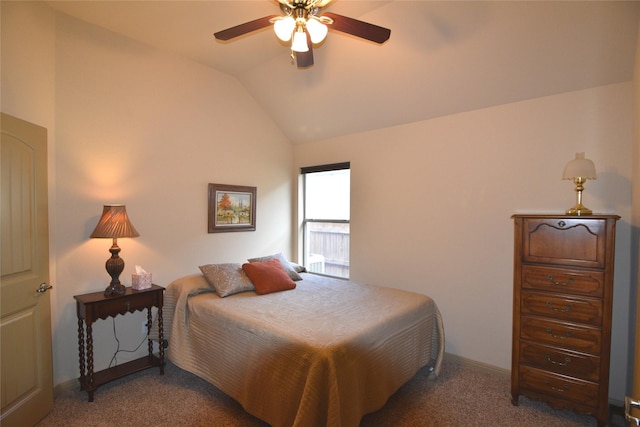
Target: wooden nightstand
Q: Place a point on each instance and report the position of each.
(93, 306)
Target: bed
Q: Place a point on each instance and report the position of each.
(323, 354)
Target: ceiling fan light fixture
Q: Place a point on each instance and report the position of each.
(299, 43)
(284, 28)
(302, 25)
(317, 30)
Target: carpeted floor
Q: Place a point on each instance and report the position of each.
(463, 395)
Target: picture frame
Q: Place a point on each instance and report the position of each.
(231, 208)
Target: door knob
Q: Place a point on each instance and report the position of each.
(628, 404)
(43, 288)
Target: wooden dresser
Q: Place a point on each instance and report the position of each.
(562, 297)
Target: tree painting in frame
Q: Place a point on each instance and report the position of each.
(231, 208)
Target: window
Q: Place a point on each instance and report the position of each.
(327, 191)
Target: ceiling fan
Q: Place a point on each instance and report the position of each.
(302, 24)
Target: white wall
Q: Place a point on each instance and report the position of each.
(150, 130)
(432, 201)
(28, 62)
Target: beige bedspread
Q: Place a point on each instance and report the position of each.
(323, 354)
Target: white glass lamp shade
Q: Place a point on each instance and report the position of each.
(299, 43)
(580, 168)
(284, 28)
(317, 30)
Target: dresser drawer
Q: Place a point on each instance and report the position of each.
(564, 387)
(563, 280)
(576, 242)
(564, 362)
(571, 337)
(581, 310)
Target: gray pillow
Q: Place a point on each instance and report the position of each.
(288, 268)
(227, 279)
(297, 267)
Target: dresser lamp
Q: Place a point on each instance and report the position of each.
(579, 170)
(114, 223)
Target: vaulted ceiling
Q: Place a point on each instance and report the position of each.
(443, 57)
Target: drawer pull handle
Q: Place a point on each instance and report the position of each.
(561, 390)
(628, 404)
(127, 306)
(553, 362)
(561, 310)
(561, 224)
(557, 283)
(560, 337)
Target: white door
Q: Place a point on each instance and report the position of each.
(25, 313)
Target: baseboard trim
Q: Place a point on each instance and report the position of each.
(477, 365)
(66, 386)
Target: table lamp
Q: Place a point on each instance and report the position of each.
(114, 223)
(579, 170)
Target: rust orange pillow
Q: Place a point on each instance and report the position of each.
(268, 276)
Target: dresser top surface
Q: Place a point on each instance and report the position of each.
(557, 216)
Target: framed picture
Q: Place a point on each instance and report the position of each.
(231, 208)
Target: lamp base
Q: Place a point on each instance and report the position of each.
(114, 266)
(579, 210)
(115, 290)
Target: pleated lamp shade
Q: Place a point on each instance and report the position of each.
(114, 223)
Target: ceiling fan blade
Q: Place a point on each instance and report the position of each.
(245, 28)
(358, 28)
(305, 59)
